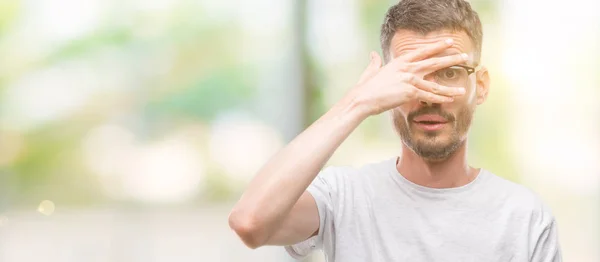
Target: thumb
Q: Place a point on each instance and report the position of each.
(372, 68)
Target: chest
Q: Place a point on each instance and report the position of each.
(392, 231)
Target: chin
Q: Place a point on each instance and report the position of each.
(434, 147)
(432, 137)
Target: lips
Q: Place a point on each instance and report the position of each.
(430, 122)
(430, 119)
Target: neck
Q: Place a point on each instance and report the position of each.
(453, 171)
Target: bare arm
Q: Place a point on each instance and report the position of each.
(284, 179)
(276, 209)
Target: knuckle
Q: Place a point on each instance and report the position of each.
(403, 67)
(415, 67)
(435, 88)
(412, 92)
(432, 97)
(409, 78)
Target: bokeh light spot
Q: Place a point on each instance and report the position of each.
(46, 207)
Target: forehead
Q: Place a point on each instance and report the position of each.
(405, 41)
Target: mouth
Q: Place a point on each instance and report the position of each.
(430, 122)
(431, 126)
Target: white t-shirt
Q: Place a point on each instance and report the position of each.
(375, 214)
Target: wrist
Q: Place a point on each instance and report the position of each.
(353, 108)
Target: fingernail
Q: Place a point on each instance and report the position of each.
(449, 41)
(465, 56)
(450, 99)
(461, 90)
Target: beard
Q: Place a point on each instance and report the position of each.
(433, 145)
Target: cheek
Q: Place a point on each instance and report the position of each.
(459, 106)
(469, 98)
(471, 94)
(405, 109)
(398, 115)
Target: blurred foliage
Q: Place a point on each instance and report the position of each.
(51, 161)
(371, 14)
(8, 12)
(203, 77)
(205, 98)
(79, 48)
(315, 103)
(218, 187)
(487, 10)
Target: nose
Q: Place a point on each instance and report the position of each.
(428, 104)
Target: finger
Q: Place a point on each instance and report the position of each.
(372, 68)
(438, 89)
(432, 98)
(428, 50)
(436, 63)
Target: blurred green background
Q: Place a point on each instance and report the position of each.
(129, 128)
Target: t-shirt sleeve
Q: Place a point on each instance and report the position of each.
(546, 247)
(324, 190)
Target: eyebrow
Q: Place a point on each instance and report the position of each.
(464, 65)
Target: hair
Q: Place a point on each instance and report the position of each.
(425, 16)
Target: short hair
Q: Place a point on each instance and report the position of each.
(425, 16)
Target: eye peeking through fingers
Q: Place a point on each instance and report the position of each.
(455, 76)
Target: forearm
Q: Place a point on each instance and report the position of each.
(282, 180)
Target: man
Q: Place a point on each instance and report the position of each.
(427, 204)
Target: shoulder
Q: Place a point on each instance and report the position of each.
(519, 200)
(339, 179)
(352, 174)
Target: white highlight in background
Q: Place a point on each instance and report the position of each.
(241, 145)
(555, 133)
(169, 170)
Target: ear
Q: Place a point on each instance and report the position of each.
(483, 85)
